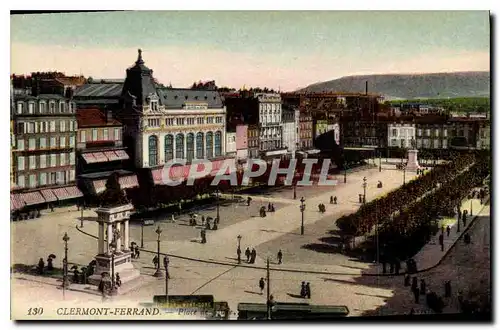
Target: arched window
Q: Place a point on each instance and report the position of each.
(210, 145)
(190, 147)
(218, 146)
(169, 147)
(199, 146)
(179, 146)
(153, 150)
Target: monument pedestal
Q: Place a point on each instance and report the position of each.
(412, 164)
(116, 259)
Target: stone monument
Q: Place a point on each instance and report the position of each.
(113, 254)
(412, 163)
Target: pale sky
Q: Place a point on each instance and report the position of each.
(276, 49)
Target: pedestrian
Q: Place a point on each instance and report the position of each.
(50, 266)
(41, 266)
(247, 254)
(414, 283)
(249, 199)
(448, 229)
(303, 290)
(331, 199)
(155, 261)
(137, 252)
(416, 294)
(447, 289)
(335, 200)
(269, 207)
(280, 256)
(202, 220)
(384, 268)
(391, 267)
(207, 225)
(407, 280)
(253, 256)
(441, 241)
(308, 290)
(238, 253)
(203, 236)
(118, 280)
(464, 217)
(262, 284)
(422, 286)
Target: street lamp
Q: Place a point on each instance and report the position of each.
(142, 234)
(302, 209)
(404, 173)
(158, 272)
(239, 248)
(364, 190)
(81, 216)
(380, 161)
(217, 194)
(167, 276)
(65, 263)
(458, 217)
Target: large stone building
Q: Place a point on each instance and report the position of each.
(44, 158)
(290, 120)
(400, 134)
(163, 124)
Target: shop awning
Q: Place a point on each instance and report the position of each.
(89, 158)
(157, 176)
(129, 181)
(122, 154)
(111, 155)
(100, 157)
(49, 195)
(73, 192)
(33, 198)
(99, 186)
(16, 202)
(61, 193)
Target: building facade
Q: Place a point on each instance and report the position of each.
(231, 143)
(305, 130)
(44, 158)
(401, 135)
(253, 141)
(242, 142)
(290, 130)
(163, 124)
(100, 152)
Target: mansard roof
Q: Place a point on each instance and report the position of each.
(175, 98)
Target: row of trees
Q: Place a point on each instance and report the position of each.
(458, 104)
(381, 210)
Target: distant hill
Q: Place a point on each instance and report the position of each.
(410, 86)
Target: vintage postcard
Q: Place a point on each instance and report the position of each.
(250, 165)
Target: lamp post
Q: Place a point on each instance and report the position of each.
(81, 215)
(364, 190)
(302, 209)
(294, 191)
(458, 217)
(167, 276)
(379, 161)
(239, 248)
(217, 194)
(345, 172)
(404, 173)
(471, 204)
(112, 249)
(158, 272)
(65, 263)
(142, 234)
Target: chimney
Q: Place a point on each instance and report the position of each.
(366, 87)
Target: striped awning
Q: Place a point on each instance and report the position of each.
(32, 198)
(99, 186)
(129, 181)
(48, 195)
(74, 192)
(16, 202)
(111, 155)
(61, 193)
(89, 158)
(100, 157)
(122, 154)
(157, 176)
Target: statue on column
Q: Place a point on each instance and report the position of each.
(113, 195)
(413, 143)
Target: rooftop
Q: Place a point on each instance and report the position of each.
(99, 90)
(93, 117)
